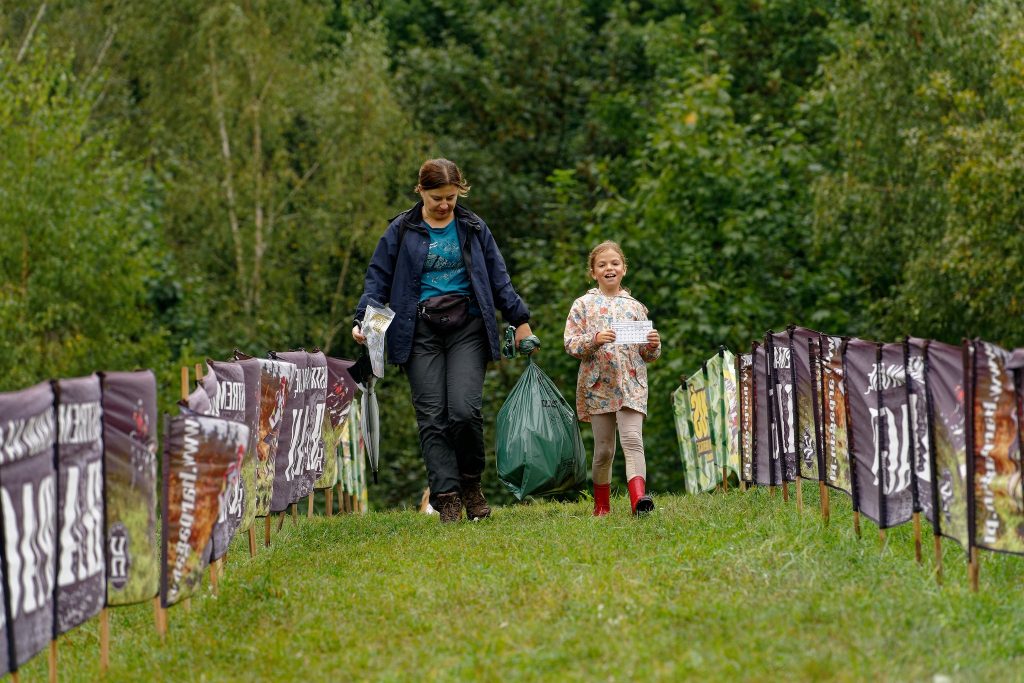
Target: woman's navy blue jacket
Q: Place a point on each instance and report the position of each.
(393, 276)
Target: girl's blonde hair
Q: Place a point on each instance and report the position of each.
(607, 244)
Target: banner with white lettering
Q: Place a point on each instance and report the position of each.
(129, 468)
(920, 437)
(341, 389)
(892, 465)
(199, 451)
(28, 504)
(251, 375)
(707, 474)
(801, 341)
(290, 464)
(230, 400)
(834, 441)
(862, 405)
(746, 416)
(994, 460)
(783, 404)
(767, 466)
(945, 382)
(684, 432)
(81, 590)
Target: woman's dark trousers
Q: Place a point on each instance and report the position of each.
(446, 375)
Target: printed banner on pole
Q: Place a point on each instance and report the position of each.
(801, 341)
(27, 495)
(862, 404)
(129, 469)
(746, 416)
(251, 375)
(230, 401)
(998, 504)
(892, 465)
(275, 384)
(767, 467)
(945, 384)
(316, 409)
(707, 474)
(921, 452)
(199, 451)
(783, 406)
(290, 467)
(684, 432)
(81, 580)
(714, 382)
(341, 389)
(834, 441)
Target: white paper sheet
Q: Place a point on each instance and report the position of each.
(631, 331)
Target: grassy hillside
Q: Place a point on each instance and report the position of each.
(734, 586)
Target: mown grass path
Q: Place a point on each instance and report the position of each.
(721, 587)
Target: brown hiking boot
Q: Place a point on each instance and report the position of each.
(449, 506)
(473, 498)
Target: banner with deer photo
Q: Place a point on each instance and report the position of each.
(81, 590)
(290, 466)
(341, 389)
(199, 453)
(129, 467)
(994, 456)
(28, 504)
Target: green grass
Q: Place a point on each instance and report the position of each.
(734, 586)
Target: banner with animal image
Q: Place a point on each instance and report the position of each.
(275, 383)
(81, 581)
(746, 416)
(994, 457)
(28, 504)
(199, 452)
(316, 419)
(684, 432)
(129, 466)
(251, 375)
(782, 405)
(802, 342)
(341, 389)
(229, 399)
(290, 464)
(707, 474)
(834, 441)
(945, 384)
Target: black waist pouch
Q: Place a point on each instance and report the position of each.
(445, 312)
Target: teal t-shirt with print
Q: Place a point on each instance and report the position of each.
(444, 271)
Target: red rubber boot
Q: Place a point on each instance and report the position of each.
(638, 498)
(602, 505)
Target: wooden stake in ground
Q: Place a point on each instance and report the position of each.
(938, 559)
(266, 531)
(213, 577)
(881, 538)
(856, 522)
(160, 617)
(53, 661)
(743, 486)
(252, 540)
(309, 513)
(725, 478)
(295, 513)
(917, 537)
(329, 496)
(280, 520)
(104, 640)
(823, 495)
(771, 491)
(785, 491)
(799, 494)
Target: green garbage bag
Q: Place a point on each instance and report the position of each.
(539, 448)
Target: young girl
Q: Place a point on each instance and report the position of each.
(611, 390)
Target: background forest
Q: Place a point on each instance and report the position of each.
(181, 179)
